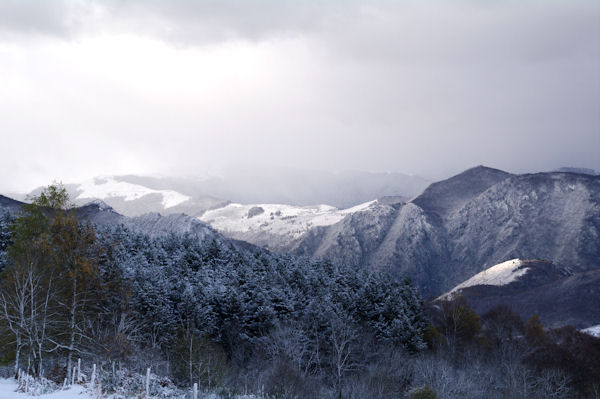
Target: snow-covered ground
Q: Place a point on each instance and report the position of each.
(107, 187)
(8, 386)
(500, 274)
(277, 219)
(594, 330)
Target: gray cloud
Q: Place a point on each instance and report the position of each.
(429, 88)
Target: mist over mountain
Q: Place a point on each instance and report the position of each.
(249, 185)
(133, 195)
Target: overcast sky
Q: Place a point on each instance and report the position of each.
(187, 87)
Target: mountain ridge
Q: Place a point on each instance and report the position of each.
(547, 215)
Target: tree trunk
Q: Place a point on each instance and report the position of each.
(72, 331)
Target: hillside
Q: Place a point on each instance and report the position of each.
(559, 296)
(463, 225)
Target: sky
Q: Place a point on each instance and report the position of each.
(187, 88)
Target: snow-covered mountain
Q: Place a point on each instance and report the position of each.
(593, 330)
(134, 199)
(152, 224)
(498, 275)
(275, 185)
(107, 188)
(557, 294)
(455, 229)
(134, 195)
(274, 225)
(463, 225)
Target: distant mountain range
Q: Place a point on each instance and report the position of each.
(465, 224)
(133, 195)
(445, 236)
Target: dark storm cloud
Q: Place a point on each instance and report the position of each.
(426, 87)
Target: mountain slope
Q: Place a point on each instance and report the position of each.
(152, 224)
(468, 223)
(9, 205)
(530, 287)
(451, 194)
(132, 199)
(274, 225)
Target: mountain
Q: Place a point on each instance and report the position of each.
(132, 199)
(133, 195)
(583, 171)
(9, 205)
(559, 296)
(453, 230)
(444, 197)
(151, 224)
(465, 224)
(297, 187)
(274, 226)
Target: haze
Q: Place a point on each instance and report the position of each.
(187, 88)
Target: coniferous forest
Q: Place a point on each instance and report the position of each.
(102, 305)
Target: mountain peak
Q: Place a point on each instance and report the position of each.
(101, 205)
(447, 195)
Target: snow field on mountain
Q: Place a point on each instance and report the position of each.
(277, 219)
(501, 274)
(594, 330)
(107, 187)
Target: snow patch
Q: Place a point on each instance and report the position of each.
(8, 387)
(594, 331)
(279, 219)
(107, 187)
(500, 274)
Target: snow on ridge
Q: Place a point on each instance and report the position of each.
(279, 219)
(107, 187)
(501, 274)
(594, 331)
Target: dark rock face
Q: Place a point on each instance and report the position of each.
(463, 225)
(559, 296)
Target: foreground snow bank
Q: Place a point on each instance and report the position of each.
(9, 386)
